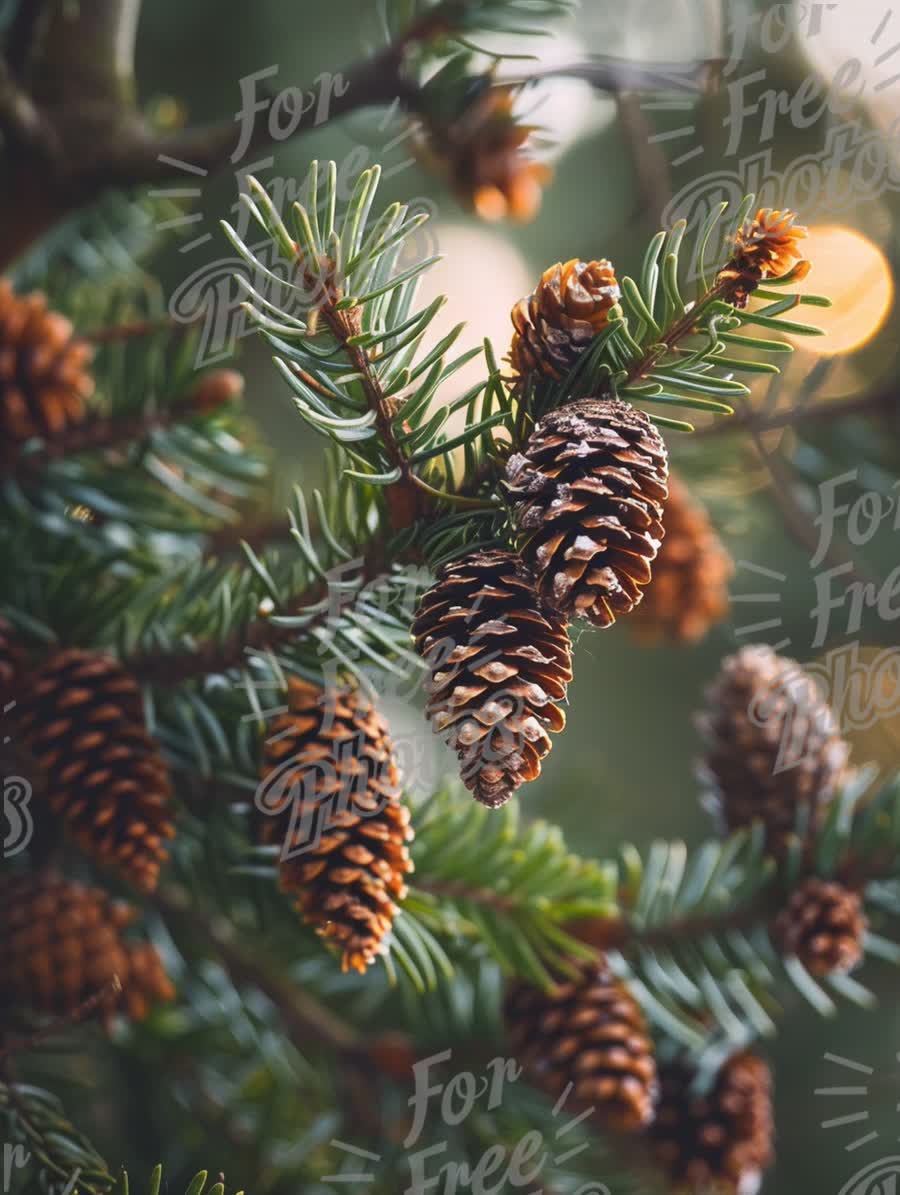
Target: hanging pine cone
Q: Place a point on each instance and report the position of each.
(83, 722)
(765, 247)
(561, 317)
(689, 591)
(589, 492)
(721, 1140)
(10, 664)
(823, 926)
(772, 746)
(590, 1033)
(61, 944)
(498, 664)
(331, 799)
(43, 370)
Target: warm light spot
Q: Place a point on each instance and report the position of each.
(855, 275)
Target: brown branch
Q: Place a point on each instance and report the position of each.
(877, 402)
(59, 1026)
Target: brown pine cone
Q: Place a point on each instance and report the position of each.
(61, 944)
(765, 247)
(720, 1140)
(590, 1033)
(589, 491)
(558, 321)
(498, 664)
(484, 154)
(823, 926)
(10, 664)
(43, 370)
(83, 722)
(772, 746)
(331, 796)
(688, 594)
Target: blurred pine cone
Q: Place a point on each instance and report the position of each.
(589, 491)
(591, 1033)
(823, 926)
(498, 664)
(721, 1140)
(765, 247)
(83, 722)
(561, 317)
(483, 152)
(10, 663)
(772, 746)
(331, 798)
(44, 380)
(688, 594)
(61, 944)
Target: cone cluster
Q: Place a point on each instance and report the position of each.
(559, 320)
(62, 943)
(688, 593)
(499, 664)
(588, 1032)
(823, 925)
(330, 799)
(44, 378)
(720, 1139)
(773, 748)
(82, 720)
(588, 495)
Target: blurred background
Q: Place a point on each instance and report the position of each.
(626, 768)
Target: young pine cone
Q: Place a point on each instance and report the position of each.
(561, 317)
(498, 664)
(688, 594)
(588, 496)
(330, 797)
(82, 720)
(61, 944)
(43, 371)
(823, 926)
(588, 1032)
(765, 247)
(718, 1141)
(772, 746)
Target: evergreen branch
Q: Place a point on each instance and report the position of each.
(880, 402)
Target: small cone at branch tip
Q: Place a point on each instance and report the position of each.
(558, 321)
(498, 665)
(688, 594)
(823, 925)
(44, 378)
(82, 720)
(217, 389)
(484, 155)
(588, 493)
(765, 247)
(330, 797)
(773, 747)
(62, 944)
(588, 1034)
(718, 1139)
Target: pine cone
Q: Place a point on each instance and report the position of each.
(590, 1033)
(689, 591)
(83, 722)
(561, 317)
(331, 790)
(61, 944)
(10, 664)
(721, 1140)
(43, 370)
(823, 926)
(765, 247)
(772, 745)
(498, 664)
(589, 492)
(484, 153)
